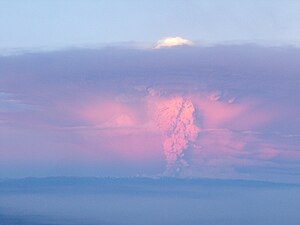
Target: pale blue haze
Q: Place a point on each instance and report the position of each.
(59, 24)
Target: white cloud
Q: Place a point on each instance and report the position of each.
(172, 41)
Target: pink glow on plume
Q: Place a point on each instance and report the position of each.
(175, 118)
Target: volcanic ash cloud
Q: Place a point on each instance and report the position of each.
(176, 120)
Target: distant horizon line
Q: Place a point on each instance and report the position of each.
(141, 45)
(149, 178)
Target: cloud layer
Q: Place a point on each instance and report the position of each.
(224, 111)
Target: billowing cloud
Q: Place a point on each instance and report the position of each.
(172, 41)
(175, 118)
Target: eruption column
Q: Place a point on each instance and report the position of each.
(175, 118)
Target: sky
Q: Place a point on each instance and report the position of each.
(60, 24)
(219, 99)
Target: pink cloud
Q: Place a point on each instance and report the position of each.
(268, 152)
(150, 127)
(239, 115)
(108, 114)
(114, 130)
(216, 114)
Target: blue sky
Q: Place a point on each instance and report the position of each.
(58, 24)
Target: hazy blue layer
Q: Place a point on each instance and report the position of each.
(147, 202)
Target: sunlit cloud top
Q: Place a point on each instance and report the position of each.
(172, 41)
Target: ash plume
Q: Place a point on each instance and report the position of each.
(176, 121)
